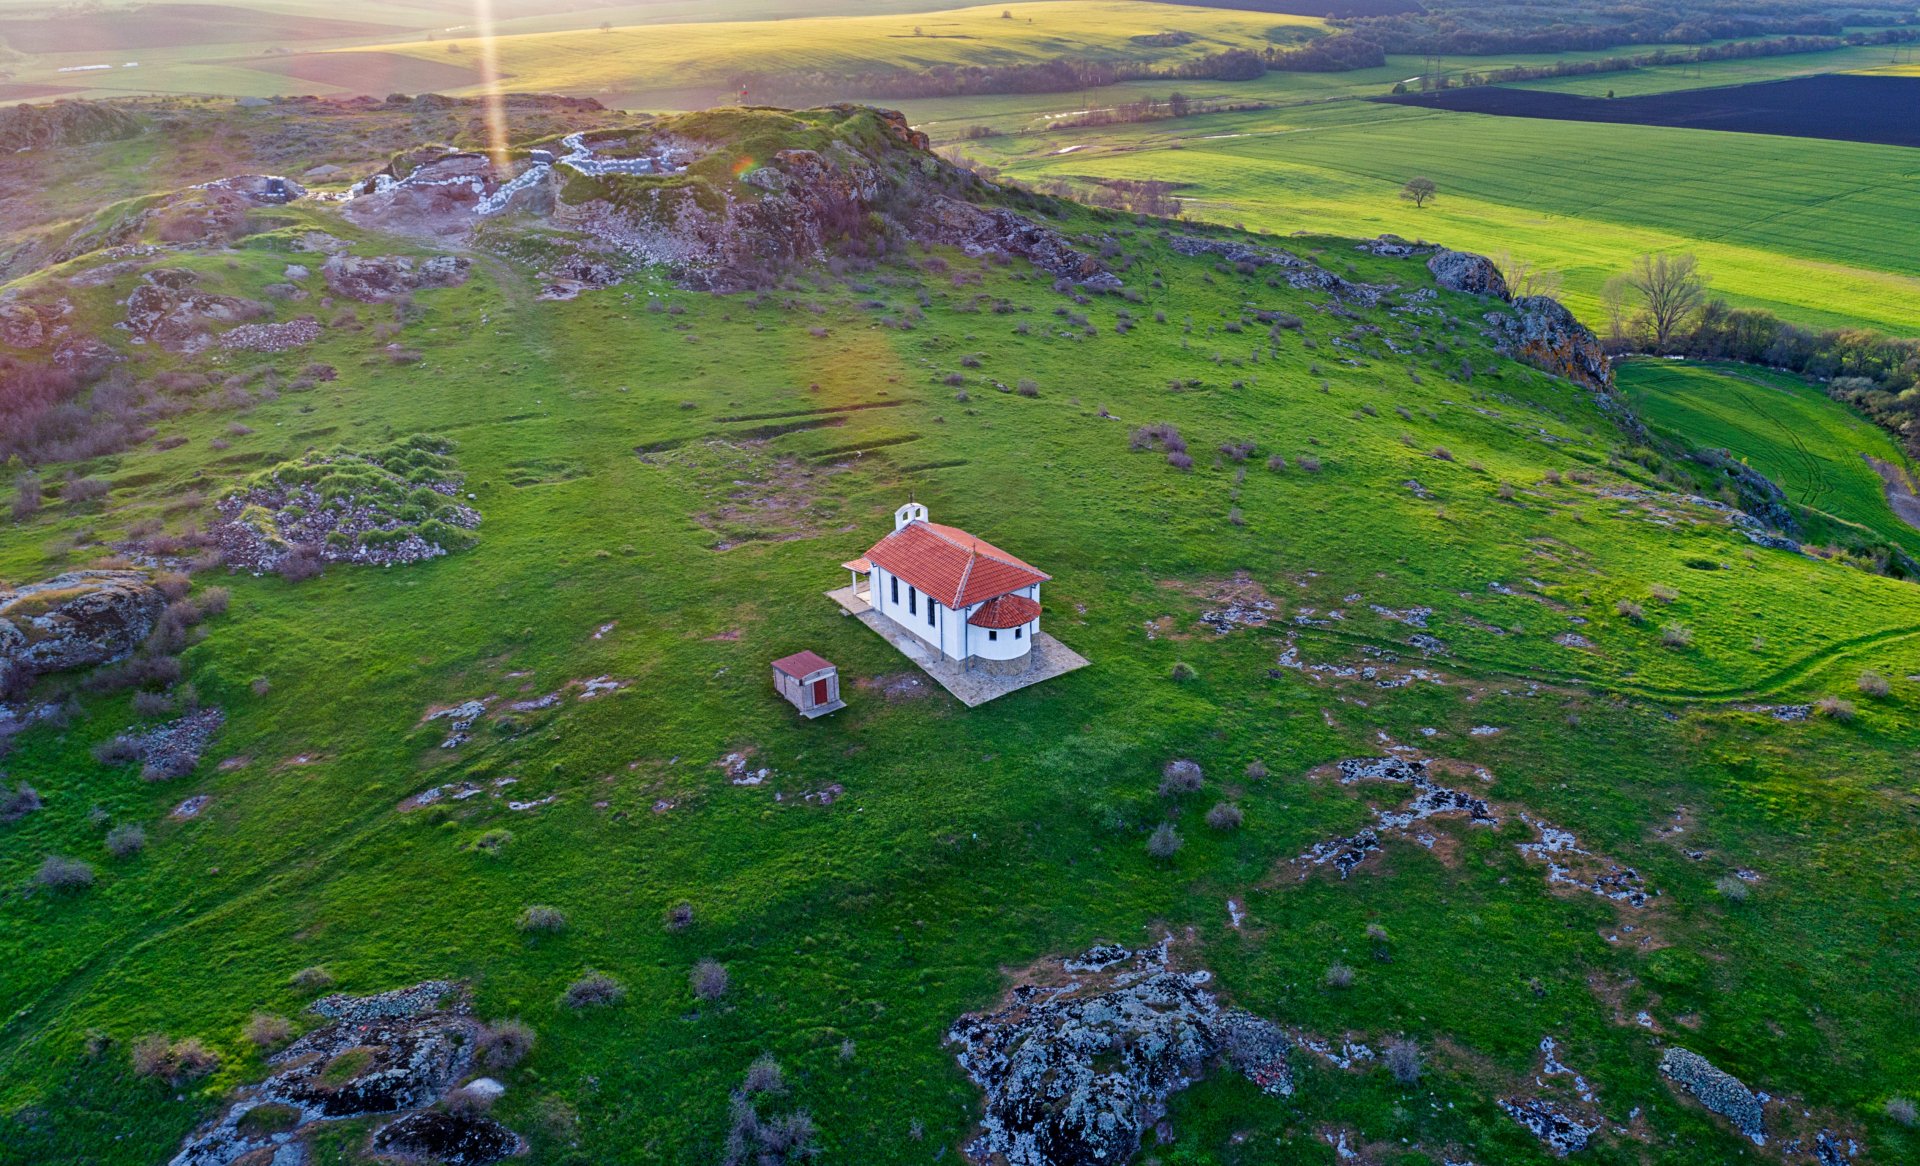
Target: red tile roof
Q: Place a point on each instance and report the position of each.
(860, 565)
(951, 565)
(800, 665)
(1006, 611)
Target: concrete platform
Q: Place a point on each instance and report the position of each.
(1050, 657)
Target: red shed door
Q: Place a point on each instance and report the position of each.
(820, 692)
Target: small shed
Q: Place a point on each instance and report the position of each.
(810, 683)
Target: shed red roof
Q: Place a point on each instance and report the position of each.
(800, 665)
(1006, 611)
(951, 565)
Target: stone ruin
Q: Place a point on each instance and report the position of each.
(1080, 1059)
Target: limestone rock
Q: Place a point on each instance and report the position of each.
(1720, 1092)
(1542, 332)
(1463, 271)
(457, 1139)
(1080, 1061)
(168, 311)
(74, 620)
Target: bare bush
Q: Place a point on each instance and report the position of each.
(265, 1029)
(152, 704)
(1310, 464)
(1663, 593)
(1404, 1060)
(680, 917)
(22, 801)
(1874, 685)
(172, 1061)
(1027, 388)
(1158, 435)
(1339, 975)
(126, 841)
(709, 980)
(1276, 463)
(1627, 609)
(313, 979)
(593, 990)
(765, 1076)
(1256, 770)
(1180, 776)
(1676, 635)
(1224, 816)
(1164, 842)
(1179, 460)
(1903, 1110)
(542, 918)
(1834, 709)
(300, 564)
(504, 1044)
(1732, 889)
(60, 873)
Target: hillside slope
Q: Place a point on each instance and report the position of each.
(508, 724)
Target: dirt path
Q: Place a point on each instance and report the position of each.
(1900, 488)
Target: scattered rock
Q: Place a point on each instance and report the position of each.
(1081, 1059)
(167, 311)
(1563, 1131)
(387, 277)
(173, 749)
(271, 337)
(1720, 1092)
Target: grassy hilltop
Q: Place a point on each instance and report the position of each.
(666, 482)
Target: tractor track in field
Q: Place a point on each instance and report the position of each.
(1789, 675)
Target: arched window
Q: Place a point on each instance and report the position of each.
(931, 607)
(895, 580)
(913, 598)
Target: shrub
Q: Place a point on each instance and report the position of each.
(60, 873)
(172, 584)
(764, 1076)
(116, 750)
(1237, 451)
(1159, 435)
(680, 917)
(540, 918)
(155, 1056)
(1183, 671)
(708, 980)
(126, 841)
(1902, 1110)
(493, 841)
(1834, 709)
(1276, 463)
(593, 990)
(1663, 593)
(1235, 517)
(261, 686)
(1310, 464)
(1441, 453)
(1180, 776)
(300, 564)
(1028, 388)
(151, 704)
(1224, 816)
(1627, 609)
(504, 1044)
(265, 1030)
(313, 979)
(1179, 460)
(81, 491)
(956, 379)
(1732, 889)
(469, 1102)
(1164, 842)
(1874, 685)
(22, 801)
(1339, 976)
(1256, 770)
(1676, 635)
(1404, 1060)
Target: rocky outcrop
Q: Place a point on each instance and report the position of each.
(1759, 495)
(981, 230)
(168, 311)
(1463, 271)
(1081, 1059)
(65, 123)
(372, 279)
(1720, 1092)
(1540, 331)
(396, 1052)
(74, 620)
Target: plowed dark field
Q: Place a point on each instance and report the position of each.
(1837, 106)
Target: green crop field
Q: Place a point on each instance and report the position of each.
(1768, 217)
(1814, 449)
(1713, 74)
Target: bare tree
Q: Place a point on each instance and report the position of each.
(1525, 277)
(1671, 288)
(1613, 300)
(1419, 191)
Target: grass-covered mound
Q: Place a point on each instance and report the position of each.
(391, 505)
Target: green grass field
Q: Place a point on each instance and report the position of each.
(1813, 448)
(970, 841)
